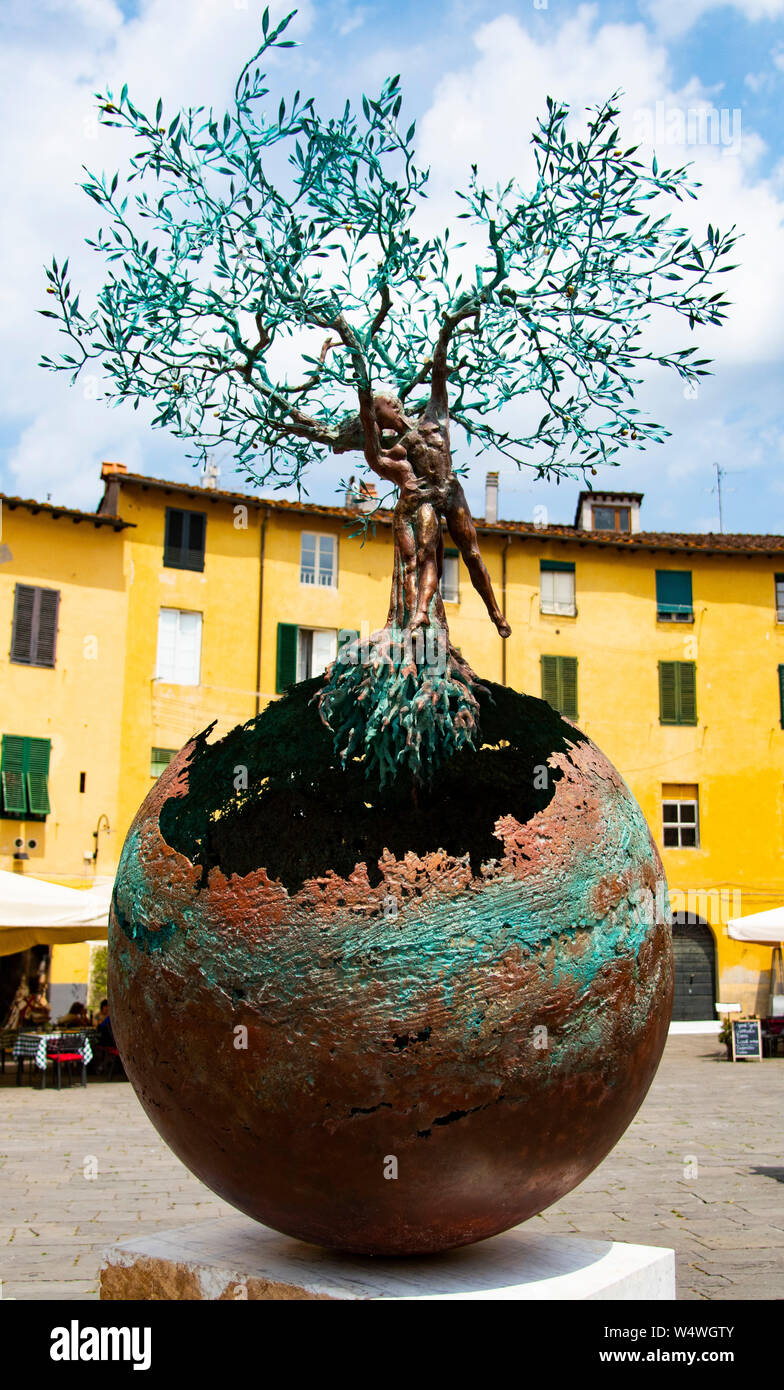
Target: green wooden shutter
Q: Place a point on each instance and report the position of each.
(184, 538)
(160, 759)
(172, 540)
(22, 631)
(687, 701)
(559, 684)
(568, 686)
(12, 775)
(781, 695)
(677, 692)
(668, 693)
(550, 691)
(37, 778)
(34, 632)
(673, 593)
(286, 673)
(46, 634)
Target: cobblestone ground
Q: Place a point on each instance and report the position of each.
(700, 1169)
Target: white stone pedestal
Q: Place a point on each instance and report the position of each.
(235, 1258)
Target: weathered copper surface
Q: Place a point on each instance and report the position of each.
(394, 1003)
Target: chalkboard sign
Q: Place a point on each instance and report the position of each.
(746, 1039)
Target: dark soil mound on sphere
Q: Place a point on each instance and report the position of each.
(301, 814)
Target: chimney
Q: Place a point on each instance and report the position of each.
(368, 496)
(210, 474)
(491, 497)
(111, 474)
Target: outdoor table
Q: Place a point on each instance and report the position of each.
(62, 1046)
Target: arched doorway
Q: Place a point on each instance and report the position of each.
(695, 969)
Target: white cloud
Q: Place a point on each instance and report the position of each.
(352, 19)
(673, 18)
(55, 56)
(61, 450)
(484, 113)
(59, 52)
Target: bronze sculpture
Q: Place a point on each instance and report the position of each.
(520, 907)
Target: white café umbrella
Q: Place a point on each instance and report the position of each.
(765, 929)
(35, 912)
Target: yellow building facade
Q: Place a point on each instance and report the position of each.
(668, 650)
(63, 609)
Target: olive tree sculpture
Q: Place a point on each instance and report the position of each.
(456, 967)
(269, 288)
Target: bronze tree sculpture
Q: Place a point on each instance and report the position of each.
(424, 936)
(214, 266)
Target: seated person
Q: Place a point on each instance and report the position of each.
(103, 1026)
(35, 1009)
(77, 1016)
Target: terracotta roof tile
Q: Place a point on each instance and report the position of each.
(99, 520)
(706, 542)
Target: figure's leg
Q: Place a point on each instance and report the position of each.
(463, 533)
(428, 531)
(407, 549)
(395, 597)
(439, 610)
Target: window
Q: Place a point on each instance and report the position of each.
(559, 684)
(673, 596)
(34, 633)
(556, 588)
(304, 652)
(677, 692)
(24, 777)
(318, 560)
(316, 648)
(183, 547)
(450, 579)
(612, 518)
(680, 816)
(779, 581)
(160, 759)
(179, 647)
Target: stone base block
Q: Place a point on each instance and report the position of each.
(235, 1258)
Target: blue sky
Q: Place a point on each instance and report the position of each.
(474, 74)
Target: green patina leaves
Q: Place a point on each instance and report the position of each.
(234, 241)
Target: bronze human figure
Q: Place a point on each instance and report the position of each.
(418, 460)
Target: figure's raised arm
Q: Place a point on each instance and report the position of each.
(391, 463)
(467, 307)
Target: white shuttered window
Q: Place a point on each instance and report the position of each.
(557, 592)
(179, 646)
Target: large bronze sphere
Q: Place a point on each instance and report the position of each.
(390, 1022)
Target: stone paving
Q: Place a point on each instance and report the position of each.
(700, 1169)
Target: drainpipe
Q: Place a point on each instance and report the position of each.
(262, 543)
(504, 640)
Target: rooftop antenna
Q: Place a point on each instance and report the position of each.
(719, 476)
